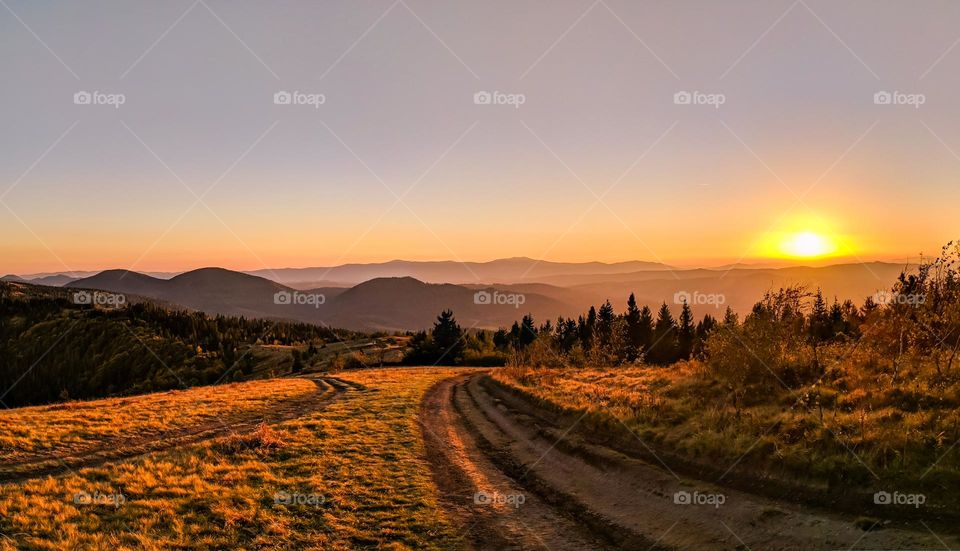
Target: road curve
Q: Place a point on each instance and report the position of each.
(579, 495)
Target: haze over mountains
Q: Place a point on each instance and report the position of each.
(402, 295)
(507, 270)
(391, 304)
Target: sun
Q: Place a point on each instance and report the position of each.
(807, 244)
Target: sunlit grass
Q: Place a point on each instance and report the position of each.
(363, 454)
(842, 433)
(62, 428)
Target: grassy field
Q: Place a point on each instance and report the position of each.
(821, 434)
(64, 428)
(352, 475)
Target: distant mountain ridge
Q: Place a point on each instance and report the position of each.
(407, 303)
(392, 304)
(505, 270)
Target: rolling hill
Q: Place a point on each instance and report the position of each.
(408, 303)
(52, 348)
(393, 304)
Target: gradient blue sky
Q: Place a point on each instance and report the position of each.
(91, 186)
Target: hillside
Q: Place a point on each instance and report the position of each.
(210, 290)
(406, 303)
(52, 349)
(392, 304)
(342, 468)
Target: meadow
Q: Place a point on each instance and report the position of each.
(844, 433)
(72, 426)
(351, 475)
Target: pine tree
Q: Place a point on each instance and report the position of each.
(838, 325)
(528, 331)
(501, 340)
(704, 327)
(448, 338)
(515, 336)
(685, 332)
(634, 332)
(730, 318)
(818, 325)
(664, 349)
(605, 324)
(586, 329)
(646, 329)
(565, 334)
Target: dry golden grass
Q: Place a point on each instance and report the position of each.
(847, 433)
(62, 428)
(361, 460)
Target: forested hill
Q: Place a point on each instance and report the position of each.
(52, 349)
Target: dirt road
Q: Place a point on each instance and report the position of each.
(513, 480)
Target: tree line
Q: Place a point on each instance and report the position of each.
(790, 336)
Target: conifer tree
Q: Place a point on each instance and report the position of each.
(634, 337)
(685, 332)
(664, 349)
(448, 338)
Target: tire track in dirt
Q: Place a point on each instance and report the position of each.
(123, 448)
(461, 472)
(476, 432)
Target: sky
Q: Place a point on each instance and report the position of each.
(691, 133)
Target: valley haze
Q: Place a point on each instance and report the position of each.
(406, 295)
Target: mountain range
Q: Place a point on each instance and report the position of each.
(506, 270)
(387, 304)
(403, 302)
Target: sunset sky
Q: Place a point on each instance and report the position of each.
(200, 167)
